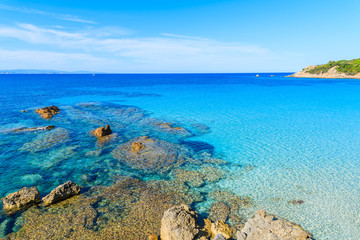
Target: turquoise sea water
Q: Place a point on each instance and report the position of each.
(298, 138)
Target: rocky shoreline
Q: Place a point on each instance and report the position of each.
(331, 73)
(133, 206)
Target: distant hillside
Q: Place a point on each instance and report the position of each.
(332, 69)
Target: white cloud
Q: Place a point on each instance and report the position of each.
(166, 53)
(65, 17)
(28, 59)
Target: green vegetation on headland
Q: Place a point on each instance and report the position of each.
(349, 67)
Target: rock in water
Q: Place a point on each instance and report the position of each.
(179, 222)
(48, 112)
(32, 129)
(47, 140)
(268, 227)
(23, 198)
(102, 131)
(61, 193)
(150, 154)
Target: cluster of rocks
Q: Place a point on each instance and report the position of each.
(180, 222)
(27, 197)
(48, 112)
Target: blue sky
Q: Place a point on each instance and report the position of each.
(177, 36)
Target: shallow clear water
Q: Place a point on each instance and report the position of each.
(302, 136)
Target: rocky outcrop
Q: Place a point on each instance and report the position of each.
(23, 198)
(331, 73)
(102, 131)
(48, 112)
(61, 193)
(32, 129)
(150, 154)
(179, 222)
(268, 227)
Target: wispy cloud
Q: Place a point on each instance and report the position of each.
(165, 53)
(65, 17)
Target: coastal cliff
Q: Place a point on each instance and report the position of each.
(332, 69)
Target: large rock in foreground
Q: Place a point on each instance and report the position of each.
(179, 222)
(269, 227)
(48, 112)
(23, 198)
(61, 192)
(150, 154)
(102, 131)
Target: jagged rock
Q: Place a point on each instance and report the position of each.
(61, 192)
(179, 222)
(268, 227)
(102, 131)
(48, 112)
(219, 227)
(150, 154)
(219, 211)
(23, 198)
(32, 129)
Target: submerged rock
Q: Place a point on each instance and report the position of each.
(32, 129)
(179, 222)
(172, 128)
(296, 202)
(48, 112)
(192, 178)
(61, 193)
(102, 131)
(31, 179)
(23, 198)
(47, 140)
(219, 211)
(268, 227)
(150, 154)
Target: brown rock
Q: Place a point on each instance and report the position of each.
(23, 198)
(48, 112)
(268, 227)
(136, 147)
(102, 131)
(179, 222)
(61, 193)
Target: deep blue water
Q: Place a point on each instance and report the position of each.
(301, 137)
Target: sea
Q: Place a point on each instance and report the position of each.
(292, 144)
